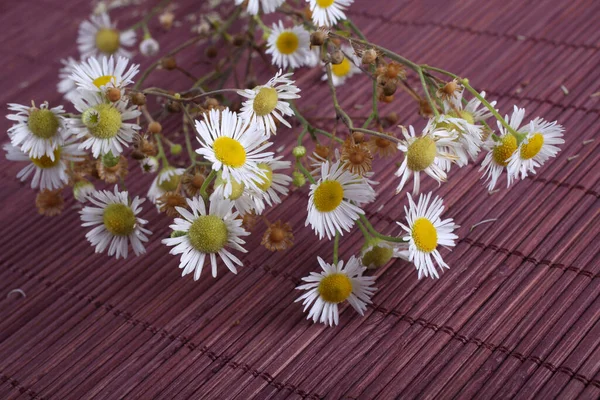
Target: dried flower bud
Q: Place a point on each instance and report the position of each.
(337, 57)
(50, 202)
(173, 106)
(168, 63)
(390, 88)
(299, 151)
(394, 69)
(138, 99)
(369, 56)
(154, 127)
(211, 102)
(113, 94)
(317, 38)
(382, 80)
(239, 40)
(392, 118)
(137, 155)
(166, 20)
(359, 137)
(211, 52)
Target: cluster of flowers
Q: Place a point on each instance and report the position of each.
(245, 178)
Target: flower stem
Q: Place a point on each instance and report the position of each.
(336, 245)
(207, 181)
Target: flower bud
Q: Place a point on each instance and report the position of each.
(138, 99)
(168, 63)
(299, 151)
(317, 38)
(298, 179)
(337, 57)
(154, 127)
(113, 94)
(149, 47)
(176, 149)
(390, 88)
(369, 56)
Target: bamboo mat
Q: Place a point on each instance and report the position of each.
(517, 315)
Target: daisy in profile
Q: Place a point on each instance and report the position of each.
(244, 201)
(115, 223)
(269, 102)
(48, 173)
(99, 36)
(424, 154)
(199, 235)
(334, 201)
(233, 147)
(328, 12)
(102, 125)
(335, 284)
(273, 184)
(167, 180)
(96, 74)
(267, 6)
(288, 46)
(37, 131)
(466, 122)
(66, 86)
(377, 252)
(500, 150)
(344, 70)
(538, 146)
(425, 232)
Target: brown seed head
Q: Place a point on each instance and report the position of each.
(168, 63)
(138, 99)
(337, 57)
(113, 94)
(154, 127)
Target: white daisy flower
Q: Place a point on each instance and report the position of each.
(99, 36)
(426, 154)
(313, 57)
(426, 231)
(115, 222)
(48, 173)
(466, 122)
(335, 284)
(267, 6)
(167, 180)
(244, 200)
(334, 201)
(377, 252)
(500, 152)
(66, 86)
(96, 74)
(537, 147)
(288, 46)
(328, 12)
(102, 125)
(344, 70)
(38, 131)
(232, 147)
(200, 235)
(268, 101)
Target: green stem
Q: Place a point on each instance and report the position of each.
(159, 7)
(426, 89)
(364, 231)
(186, 133)
(336, 245)
(372, 230)
(207, 182)
(161, 151)
(306, 173)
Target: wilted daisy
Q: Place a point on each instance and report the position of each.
(334, 201)
(167, 180)
(377, 252)
(99, 36)
(115, 223)
(501, 150)
(267, 6)
(426, 231)
(344, 70)
(268, 101)
(466, 122)
(328, 12)
(66, 86)
(37, 131)
(423, 154)
(105, 72)
(278, 237)
(288, 46)
(48, 173)
(200, 235)
(335, 284)
(102, 125)
(232, 147)
(537, 147)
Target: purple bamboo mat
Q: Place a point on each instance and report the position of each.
(517, 315)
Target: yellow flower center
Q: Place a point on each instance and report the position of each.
(378, 256)
(425, 235)
(504, 150)
(119, 219)
(533, 147)
(208, 234)
(45, 161)
(265, 101)
(237, 188)
(264, 183)
(335, 288)
(342, 69)
(103, 121)
(43, 123)
(328, 196)
(170, 185)
(103, 80)
(325, 3)
(287, 42)
(229, 151)
(107, 40)
(421, 153)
